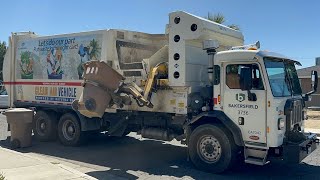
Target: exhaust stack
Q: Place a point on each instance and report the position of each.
(211, 47)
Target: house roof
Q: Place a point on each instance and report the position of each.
(306, 72)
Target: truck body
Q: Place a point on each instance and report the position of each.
(196, 83)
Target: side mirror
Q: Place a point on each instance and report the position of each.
(245, 78)
(314, 80)
(314, 86)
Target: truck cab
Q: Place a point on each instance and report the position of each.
(258, 109)
(260, 93)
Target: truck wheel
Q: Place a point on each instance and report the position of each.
(211, 148)
(69, 130)
(45, 125)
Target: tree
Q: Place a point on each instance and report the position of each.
(220, 19)
(3, 49)
(2, 177)
(95, 49)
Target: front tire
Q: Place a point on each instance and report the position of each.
(212, 148)
(69, 130)
(45, 125)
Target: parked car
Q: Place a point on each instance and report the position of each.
(4, 100)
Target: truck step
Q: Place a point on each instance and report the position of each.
(256, 156)
(256, 161)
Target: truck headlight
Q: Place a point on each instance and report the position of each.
(281, 124)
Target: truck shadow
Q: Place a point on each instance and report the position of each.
(131, 158)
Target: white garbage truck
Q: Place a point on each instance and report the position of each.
(196, 83)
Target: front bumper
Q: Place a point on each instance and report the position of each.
(296, 152)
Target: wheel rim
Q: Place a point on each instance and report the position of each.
(209, 149)
(69, 130)
(41, 127)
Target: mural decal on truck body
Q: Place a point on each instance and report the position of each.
(57, 58)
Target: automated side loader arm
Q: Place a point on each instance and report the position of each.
(152, 78)
(104, 87)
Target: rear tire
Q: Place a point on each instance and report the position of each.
(45, 125)
(212, 149)
(69, 130)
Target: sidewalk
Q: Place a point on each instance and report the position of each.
(312, 124)
(316, 131)
(16, 165)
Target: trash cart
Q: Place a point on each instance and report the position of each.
(3, 130)
(100, 81)
(20, 121)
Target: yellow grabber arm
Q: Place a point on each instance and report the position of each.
(152, 78)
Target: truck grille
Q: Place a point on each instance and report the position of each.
(294, 112)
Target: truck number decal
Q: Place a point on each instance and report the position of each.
(243, 112)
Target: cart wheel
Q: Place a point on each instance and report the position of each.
(15, 144)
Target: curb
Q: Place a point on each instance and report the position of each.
(66, 168)
(22, 154)
(75, 171)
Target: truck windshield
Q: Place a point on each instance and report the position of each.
(283, 77)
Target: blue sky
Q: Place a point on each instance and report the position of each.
(288, 27)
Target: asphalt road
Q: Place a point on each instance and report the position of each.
(133, 157)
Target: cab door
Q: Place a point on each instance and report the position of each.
(249, 115)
